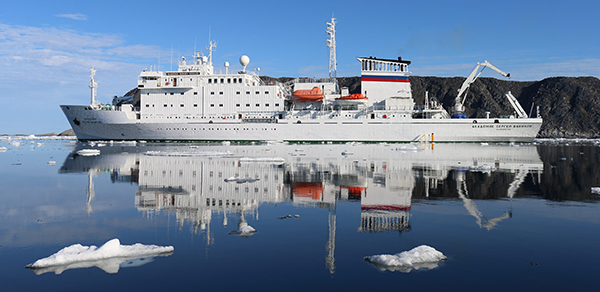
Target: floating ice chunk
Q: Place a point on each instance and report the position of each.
(52, 162)
(108, 257)
(247, 231)
(596, 190)
(15, 143)
(244, 231)
(3, 149)
(88, 152)
(417, 258)
(484, 144)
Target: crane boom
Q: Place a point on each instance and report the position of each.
(460, 99)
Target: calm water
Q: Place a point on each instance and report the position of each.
(508, 217)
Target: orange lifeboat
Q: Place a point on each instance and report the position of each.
(314, 94)
(351, 99)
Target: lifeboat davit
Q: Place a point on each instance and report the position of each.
(314, 94)
(351, 99)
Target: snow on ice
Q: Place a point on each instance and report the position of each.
(420, 257)
(109, 257)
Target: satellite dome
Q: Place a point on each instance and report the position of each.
(244, 60)
(226, 64)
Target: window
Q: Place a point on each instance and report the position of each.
(238, 105)
(165, 105)
(240, 80)
(258, 92)
(237, 92)
(220, 92)
(181, 105)
(228, 80)
(147, 105)
(266, 104)
(247, 105)
(221, 105)
(276, 104)
(266, 92)
(234, 80)
(212, 93)
(195, 105)
(222, 80)
(182, 93)
(212, 105)
(172, 93)
(258, 104)
(247, 92)
(209, 81)
(195, 93)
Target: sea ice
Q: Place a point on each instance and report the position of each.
(417, 258)
(88, 152)
(108, 257)
(244, 231)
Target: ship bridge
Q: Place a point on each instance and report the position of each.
(386, 83)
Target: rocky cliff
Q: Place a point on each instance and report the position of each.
(570, 106)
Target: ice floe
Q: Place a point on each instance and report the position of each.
(244, 231)
(88, 152)
(420, 257)
(109, 257)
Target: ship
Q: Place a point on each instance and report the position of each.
(194, 103)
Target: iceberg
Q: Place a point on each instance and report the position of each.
(109, 257)
(420, 257)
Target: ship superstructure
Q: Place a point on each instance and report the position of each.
(195, 103)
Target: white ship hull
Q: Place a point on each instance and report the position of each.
(115, 125)
(195, 104)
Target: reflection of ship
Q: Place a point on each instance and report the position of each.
(202, 182)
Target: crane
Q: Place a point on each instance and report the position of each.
(460, 99)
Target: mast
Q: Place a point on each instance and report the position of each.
(93, 86)
(331, 45)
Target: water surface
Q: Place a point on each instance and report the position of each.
(508, 217)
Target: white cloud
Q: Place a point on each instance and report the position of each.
(77, 16)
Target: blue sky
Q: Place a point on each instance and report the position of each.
(47, 47)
